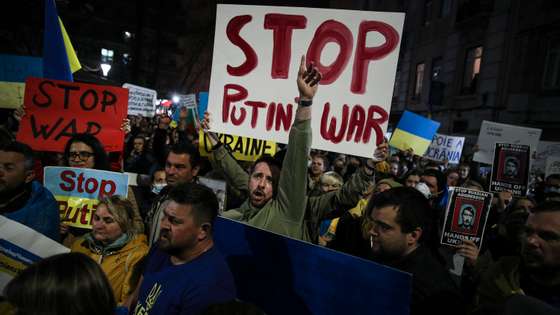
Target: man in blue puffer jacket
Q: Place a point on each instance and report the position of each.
(21, 198)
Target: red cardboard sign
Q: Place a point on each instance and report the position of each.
(56, 110)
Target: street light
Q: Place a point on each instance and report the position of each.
(175, 99)
(105, 67)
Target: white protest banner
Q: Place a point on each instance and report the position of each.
(491, 132)
(552, 166)
(257, 53)
(21, 246)
(141, 101)
(446, 148)
(78, 190)
(545, 150)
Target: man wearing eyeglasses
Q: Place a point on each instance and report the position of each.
(535, 273)
(21, 198)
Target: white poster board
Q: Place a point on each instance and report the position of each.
(445, 147)
(491, 133)
(141, 101)
(545, 150)
(21, 246)
(257, 53)
(552, 166)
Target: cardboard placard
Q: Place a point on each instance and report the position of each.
(257, 54)
(445, 147)
(491, 133)
(510, 170)
(466, 216)
(56, 110)
(141, 101)
(242, 149)
(78, 191)
(21, 246)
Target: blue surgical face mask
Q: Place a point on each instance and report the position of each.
(156, 188)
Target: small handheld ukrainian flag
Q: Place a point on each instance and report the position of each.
(59, 57)
(414, 132)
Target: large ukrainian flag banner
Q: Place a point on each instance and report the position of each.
(59, 57)
(414, 132)
(20, 246)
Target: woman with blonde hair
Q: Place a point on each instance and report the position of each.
(114, 244)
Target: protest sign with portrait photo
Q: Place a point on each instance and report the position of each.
(510, 170)
(466, 216)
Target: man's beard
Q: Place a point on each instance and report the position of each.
(10, 193)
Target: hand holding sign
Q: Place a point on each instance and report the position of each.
(470, 251)
(206, 128)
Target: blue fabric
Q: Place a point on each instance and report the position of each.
(40, 212)
(55, 59)
(418, 125)
(184, 289)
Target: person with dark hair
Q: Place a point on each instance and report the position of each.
(182, 166)
(412, 178)
(86, 151)
(184, 272)
(396, 222)
(114, 243)
(138, 160)
(22, 198)
(534, 273)
(511, 167)
(69, 283)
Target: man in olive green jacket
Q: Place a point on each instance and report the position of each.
(279, 204)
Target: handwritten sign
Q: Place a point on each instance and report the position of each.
(243, 149)
(257, 51)
(78, 191)
(446, 148)
(491, 132)
(510, 170)
(56, 110)
(141, 101)
(21, 246)
(465, 217)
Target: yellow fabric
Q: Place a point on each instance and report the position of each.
(405, 140)
(11, 94)
(358, 210)
(72, 58)
(119, 266)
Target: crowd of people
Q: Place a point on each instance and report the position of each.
(153, 251)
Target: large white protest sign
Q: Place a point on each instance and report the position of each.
(545, 150)
(257, 53)
(491, 133)
(141, 101)
(552, 165)
(21, 246)
(445, 148)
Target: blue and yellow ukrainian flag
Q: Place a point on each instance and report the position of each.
(59, 57)
(414, 132)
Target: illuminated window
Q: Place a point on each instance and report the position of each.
(551, 76)
(472, 70)
(418, 80)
